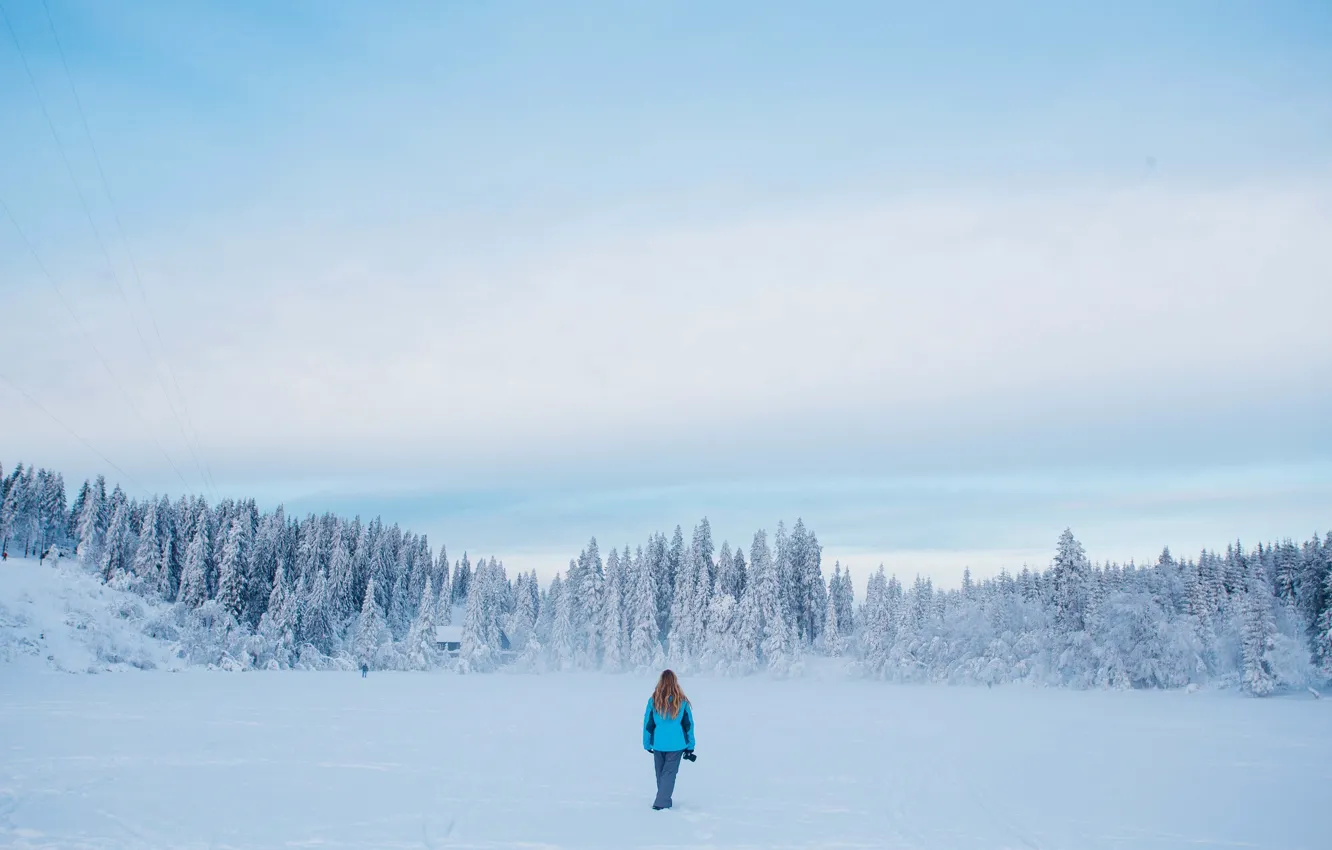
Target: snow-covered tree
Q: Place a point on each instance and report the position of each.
(462, 581)
(523, 622)
(194, 576)
(234, 565)
(1259, 635)
(371, 631)
(91, 525)
(481, 632)
(831, 637)
(671, 558)
(612, 616)
(419, 651)
(720, 649)
(775, 648)
(589, 587)
(148, 554)
(877, 632)
(1069, 573)
(844, 601)
(808, 593)
(641, 612)
(1322, 638)
(118, 548)
(562, 635)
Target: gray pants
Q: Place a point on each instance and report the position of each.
(667, 765)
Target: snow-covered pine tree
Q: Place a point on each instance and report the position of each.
(562, 635)
(54, 517)
(419, 652)
(381, 571)
(846, 603)
(371, 631)
(876, 625)
(10, 508)
(748, 631)
(644, 644)
(1234, 569)
(443, 584)
(257, 583)
(739, 573)
(831, 636)
(587, 607)
(92, 523)
(1259, 635)
(719, 649)
(626, 590)
(163, 581)
(148, 554)
(117, 548)
(684, 635)
(400, 608)
(1322, 637)
(785, 571)
(1069, 573)
(1311, 569)
(673, 560)
(612, 613)
(725, 581)
(72, 518)
(462, 581)
(522, 625)
(807, 593)
(194, 577)
(277, 625)
(233, 567)
(342, 604)
(316, 621)
(776, 647)
(19, 511)
(478, 653)
(700, 561)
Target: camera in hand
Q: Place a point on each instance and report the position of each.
(689, 756)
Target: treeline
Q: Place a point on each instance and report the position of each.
(264, 590)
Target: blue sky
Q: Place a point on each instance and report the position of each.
(941, 279)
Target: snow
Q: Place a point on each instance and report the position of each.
(63, 618)
(156, 755)
(321, 759)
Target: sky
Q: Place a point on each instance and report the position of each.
(940, 279)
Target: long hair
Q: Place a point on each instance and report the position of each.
(668, 697)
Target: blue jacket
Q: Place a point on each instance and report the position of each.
(668, 734)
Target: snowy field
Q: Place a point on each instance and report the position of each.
(298, 759)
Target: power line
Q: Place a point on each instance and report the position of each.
(56, 419)
(134, 265)
(106, 254)
(78, 321)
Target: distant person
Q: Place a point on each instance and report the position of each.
(668, 733)
(4, 556)
(365, 668)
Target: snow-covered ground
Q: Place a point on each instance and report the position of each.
(157, 757)
(61, 617)
(301, 759)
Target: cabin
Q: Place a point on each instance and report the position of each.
(448, 638)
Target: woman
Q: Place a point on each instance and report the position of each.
(668, 733)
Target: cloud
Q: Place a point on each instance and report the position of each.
(323, 347)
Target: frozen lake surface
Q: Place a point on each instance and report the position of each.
(291, 759)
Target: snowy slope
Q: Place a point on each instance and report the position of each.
(61, 618)
(331, 760)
